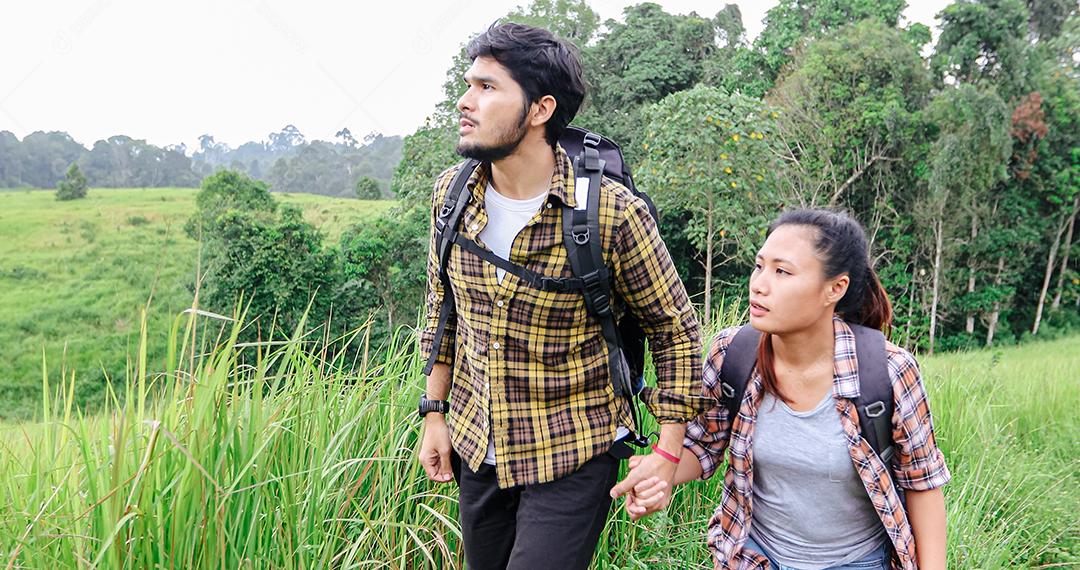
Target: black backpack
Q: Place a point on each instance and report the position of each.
(594, 156)
(874, 404)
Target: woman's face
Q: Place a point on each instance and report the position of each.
(788, 288)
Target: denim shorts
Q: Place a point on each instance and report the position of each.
(876, 560)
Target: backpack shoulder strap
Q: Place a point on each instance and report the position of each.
(446, 222)
(584, 250)
(739, 360)
(875, 403)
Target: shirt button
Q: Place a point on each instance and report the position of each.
(549, 205)
(475, 227)
(499, 303)
(496, 345)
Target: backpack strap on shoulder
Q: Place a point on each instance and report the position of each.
(739, 360)
(875, 403)
(446, 222)
(584, 249)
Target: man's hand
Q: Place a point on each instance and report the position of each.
(648, 496)
(435, 449)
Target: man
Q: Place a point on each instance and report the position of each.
(531, 427)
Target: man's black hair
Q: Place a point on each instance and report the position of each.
(541, 63)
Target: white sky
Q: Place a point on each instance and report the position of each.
(168, 72)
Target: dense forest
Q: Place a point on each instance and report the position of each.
(961, 157)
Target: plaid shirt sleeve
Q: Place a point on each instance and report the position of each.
(920, 463)
(435, 291)
(646, 280)
(708, 434)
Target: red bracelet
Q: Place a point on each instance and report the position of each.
(656, 449)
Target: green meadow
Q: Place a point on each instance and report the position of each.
(290, 454)
(74, 276)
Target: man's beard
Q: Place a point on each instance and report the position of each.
(505, 145)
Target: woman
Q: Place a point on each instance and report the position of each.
(803, 489)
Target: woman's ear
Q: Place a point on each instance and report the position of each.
(836, 288)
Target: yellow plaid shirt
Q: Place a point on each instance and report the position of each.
(534, 363)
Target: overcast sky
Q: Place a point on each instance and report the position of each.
(168, 72)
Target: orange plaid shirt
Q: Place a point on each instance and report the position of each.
(920, 464)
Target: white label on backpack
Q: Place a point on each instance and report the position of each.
(581, 192)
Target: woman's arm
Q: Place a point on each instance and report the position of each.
(926, 512)
(689, 468)
(920, 469)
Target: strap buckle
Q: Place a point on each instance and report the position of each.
(595, 283)
(875, 409)
(580, 238)
(592, 139)
(555, 284)
(728, 390)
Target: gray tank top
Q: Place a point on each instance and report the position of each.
(810, 508)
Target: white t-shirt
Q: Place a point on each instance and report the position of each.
(506, 218)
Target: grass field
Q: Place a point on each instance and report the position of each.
(300, 459)
(74, 276)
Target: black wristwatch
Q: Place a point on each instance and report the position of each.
(426, 406)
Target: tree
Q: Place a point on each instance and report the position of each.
(285, 139)
(967, 160)
(1047, 17)
(848, 108)
(648, 56)
(346, 137)
(1056, 173)
(708, 152)
(274, 263)
(73, 186)
(984, 42)
(222, 192)
(573, 20)
(791, 24)
(261, 252)
(45, 157)
(367, 188)
(381, 271)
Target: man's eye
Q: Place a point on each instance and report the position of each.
(488, 87)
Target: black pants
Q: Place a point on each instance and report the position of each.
(550, 525)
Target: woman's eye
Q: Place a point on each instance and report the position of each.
(781, 272)
(488, 87)
(757, 267)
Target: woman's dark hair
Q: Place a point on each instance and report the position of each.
(541, 63)
(841, 245)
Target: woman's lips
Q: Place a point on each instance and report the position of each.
(757, 309)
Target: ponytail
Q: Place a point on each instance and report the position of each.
(876, 310)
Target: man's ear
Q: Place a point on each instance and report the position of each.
(542, 110)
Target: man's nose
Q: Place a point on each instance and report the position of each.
(464, 103)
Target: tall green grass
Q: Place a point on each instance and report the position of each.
(295, 453)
